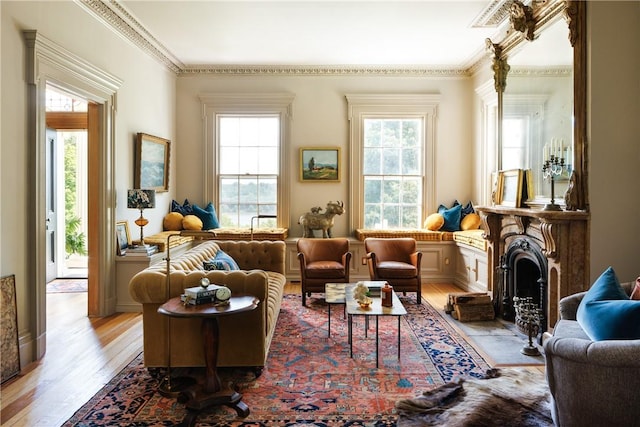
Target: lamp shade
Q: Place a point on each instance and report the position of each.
(141, 199)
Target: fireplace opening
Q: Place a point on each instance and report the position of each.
(525, 276)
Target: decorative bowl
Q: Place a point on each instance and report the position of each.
(365, 303)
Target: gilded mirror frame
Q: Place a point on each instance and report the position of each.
(576, 196)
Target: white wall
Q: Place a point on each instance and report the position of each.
(145, 103)
(320, 119)
(614, 136)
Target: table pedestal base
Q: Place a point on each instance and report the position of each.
(197, 399)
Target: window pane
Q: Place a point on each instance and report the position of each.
(391, 216)
(391, 161)
(411, 161)
(371, 164)
(268, 190)
(229, 190)
(372, 216)
(228, 215)
(391, 191)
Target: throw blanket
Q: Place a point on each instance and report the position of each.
(507, 397)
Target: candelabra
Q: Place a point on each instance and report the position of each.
(550, 169)
(528, 317)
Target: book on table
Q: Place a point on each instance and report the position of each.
(142, 250)
(198, 301)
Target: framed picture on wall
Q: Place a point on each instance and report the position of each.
(510, 188)
(319, 164)
(123, 237)
(152, 163)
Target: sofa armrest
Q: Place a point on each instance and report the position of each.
(610, 353)
(569, 306)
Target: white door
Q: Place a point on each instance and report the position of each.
(52, 217)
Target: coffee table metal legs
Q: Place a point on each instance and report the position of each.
(350, 329)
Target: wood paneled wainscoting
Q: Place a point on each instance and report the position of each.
(523, 243)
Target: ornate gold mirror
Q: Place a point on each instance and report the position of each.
(539, 77)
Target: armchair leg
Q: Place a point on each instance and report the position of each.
(304, 298)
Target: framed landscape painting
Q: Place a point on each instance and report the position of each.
(152, 163)
(320, 164)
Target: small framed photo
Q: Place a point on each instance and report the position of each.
(510, 188)
(123, 238)
(152, 163)
(319, 164)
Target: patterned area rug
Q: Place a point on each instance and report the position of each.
(67, 285)
(310, 380)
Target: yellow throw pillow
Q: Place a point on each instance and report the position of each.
(192, 222)
(434, 222)
(470, 222)
(173, 221)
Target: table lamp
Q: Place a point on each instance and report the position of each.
(141, 199)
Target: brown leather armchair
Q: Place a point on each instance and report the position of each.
(396, 261)
(322, 261)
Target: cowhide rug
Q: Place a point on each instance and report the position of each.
(507, 397)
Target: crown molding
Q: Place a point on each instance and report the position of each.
(325, 70)
(118, 19)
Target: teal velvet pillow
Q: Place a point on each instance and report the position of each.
(451, 216)
(226, 258)
(607, 313)
(207, 216)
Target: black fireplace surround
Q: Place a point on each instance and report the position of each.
(523, 269)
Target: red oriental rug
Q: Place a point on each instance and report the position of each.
(310, 380)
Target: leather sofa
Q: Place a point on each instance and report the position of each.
(244, 338)
(592, 383)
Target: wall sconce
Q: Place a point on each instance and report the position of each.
(141, 199)
(260, 216)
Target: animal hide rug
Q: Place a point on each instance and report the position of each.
(506, 398)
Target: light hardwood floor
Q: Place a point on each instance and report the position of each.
(83, 354)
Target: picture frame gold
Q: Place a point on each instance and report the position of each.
(510, 188)
(123, 237)
(320, 164)
(152, 162)
(9, 342)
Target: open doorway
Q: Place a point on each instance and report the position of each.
(67, 195)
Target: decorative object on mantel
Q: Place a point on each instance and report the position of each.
(314, 220)
(141, 199)
(552, 167)
(528, 315)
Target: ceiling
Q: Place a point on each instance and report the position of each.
(420, 33)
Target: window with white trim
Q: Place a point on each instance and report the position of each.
(392, 160)
(248, 166)
(246, 171)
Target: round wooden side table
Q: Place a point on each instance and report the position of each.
(211, 392)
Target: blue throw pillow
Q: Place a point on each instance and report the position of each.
(216, 264)
(185, 209)
(607, 313)
(207, 216)
(451, 216)
(225, 257)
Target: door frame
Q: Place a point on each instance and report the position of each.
(47, 62)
